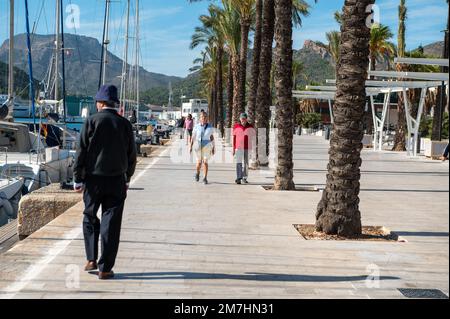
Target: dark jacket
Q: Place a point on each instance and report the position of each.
(107, 147)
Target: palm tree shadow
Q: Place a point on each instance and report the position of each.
(263, 277)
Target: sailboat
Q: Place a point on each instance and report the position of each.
(32, 152)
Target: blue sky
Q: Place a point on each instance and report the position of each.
(167, 25)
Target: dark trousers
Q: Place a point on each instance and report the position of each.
(109, 193)
(446, 151)
(242, 164)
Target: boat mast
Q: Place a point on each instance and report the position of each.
(30, 66)
(125, 62)
(11, 61)
(57, 48)
(63, 63)
(105, 43)
(137, 64)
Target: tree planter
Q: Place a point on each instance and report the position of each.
(434, 149)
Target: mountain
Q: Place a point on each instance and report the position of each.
(82, 63)
(189, 87)
(317, 63)
(435, 49)
(21, 81)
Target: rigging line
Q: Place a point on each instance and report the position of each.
(39, 15)
(77, 40)
(120, 30)
(45, 19)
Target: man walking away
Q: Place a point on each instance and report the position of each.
(243, 134)
(104, 165)
(444, 156)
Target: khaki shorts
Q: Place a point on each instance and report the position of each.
(204, 153)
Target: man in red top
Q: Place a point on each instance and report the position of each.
(243, 134)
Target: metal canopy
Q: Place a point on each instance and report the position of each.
(420, 61)
(404, 84)
(370, 90)
(411, 75)
(426, 81)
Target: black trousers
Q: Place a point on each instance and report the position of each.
(109, 193)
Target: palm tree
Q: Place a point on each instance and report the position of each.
(379, 45)
(334, 38)
(210, 34)
(224, 23)
(246, 10)
(338, 211)
(440, 106)
(207, 65)
(380, 48)
(230, 28)
(256, 56)
(264, 95)
(400, 140)
(284, 179)
(264, 92)
(297, 69)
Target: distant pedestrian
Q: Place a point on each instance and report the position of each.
(105, 163)
(243, 135)
(445, 155)
(203, 137)
(189, 128)
(180, 127)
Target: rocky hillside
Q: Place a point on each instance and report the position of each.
(21, 81)
(82, 63)
(435, 49)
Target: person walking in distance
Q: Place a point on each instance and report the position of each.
(189, 128)
(243, 135)
(104, 165)
(203, 136)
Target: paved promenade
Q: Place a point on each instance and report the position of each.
(181, 239)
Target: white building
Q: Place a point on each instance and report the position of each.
(194, 107)
(171, 114)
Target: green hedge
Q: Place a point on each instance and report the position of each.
(309, 120)
(426, 127)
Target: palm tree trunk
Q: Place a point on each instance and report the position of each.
(245, 30)
(284, 179)
(338, 211)
(256, 61)
(400, 132)
(368, 115)
(441, 98)
(264, 93)
(215, 108)
(212, 105)
(220, 90)
(236, 88)
(230, 94)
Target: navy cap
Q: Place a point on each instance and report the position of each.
(107, 93)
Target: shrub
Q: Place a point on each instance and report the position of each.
(309, 120)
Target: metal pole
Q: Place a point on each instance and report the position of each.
(63, 60)
(137, 63)
(105, 53)
(30, 65)
(11, 61)
(100, 81)
(125, 62)
(440, 109)
(57, 48)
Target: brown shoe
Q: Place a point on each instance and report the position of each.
(106, 275)
(90, 266)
